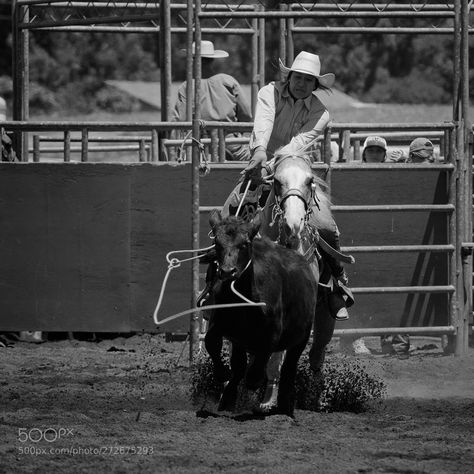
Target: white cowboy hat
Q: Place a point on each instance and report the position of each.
(208, 51)
(308, 63)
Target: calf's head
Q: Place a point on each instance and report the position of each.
(233, 242)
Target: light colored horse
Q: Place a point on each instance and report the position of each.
(297, 211)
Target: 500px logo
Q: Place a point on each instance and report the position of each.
(35, 435)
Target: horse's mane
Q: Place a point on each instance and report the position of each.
(293, 151)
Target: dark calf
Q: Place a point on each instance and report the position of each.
(261, 271)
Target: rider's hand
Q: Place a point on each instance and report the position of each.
(258, 160)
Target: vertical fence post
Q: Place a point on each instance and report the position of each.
(36, 148)
(466, 180)
(67, 146)
(85, 145)
(255, 60)
(453, 307)
(213, 133)
(221, 133)
(327, 156)
(20, 14)
(346, 145)
(357, 156)
(141, 151)
(194, 318)
(290, 44)
(261, 54)
(283, 35)
(154, 145)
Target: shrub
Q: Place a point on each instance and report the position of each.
(343, 385)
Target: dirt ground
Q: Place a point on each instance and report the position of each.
(123, 406)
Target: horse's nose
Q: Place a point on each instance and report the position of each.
(292, 236)
(226, 273)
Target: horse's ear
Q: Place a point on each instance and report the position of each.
(255, 224)
(215, 218)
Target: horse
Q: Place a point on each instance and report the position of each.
(296, 213)
(256, 269)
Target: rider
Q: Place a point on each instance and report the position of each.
(222, 98)
(289, 112)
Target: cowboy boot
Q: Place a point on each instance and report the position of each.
(337, 306)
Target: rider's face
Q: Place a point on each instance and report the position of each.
(301, 85)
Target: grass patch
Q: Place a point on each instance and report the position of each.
(344, 384)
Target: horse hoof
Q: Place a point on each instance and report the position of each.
(266, 409)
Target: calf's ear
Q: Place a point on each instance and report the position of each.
(255, 224)
(215, 218)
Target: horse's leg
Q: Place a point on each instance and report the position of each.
(323, 329)
(238, 363)
(270, 397)
(286, 389)
(213, 342)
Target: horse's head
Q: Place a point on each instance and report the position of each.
(233, 243)
(294, 187)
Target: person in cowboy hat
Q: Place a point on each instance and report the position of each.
(222, 98)
(289, 112)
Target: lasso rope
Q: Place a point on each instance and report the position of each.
(175, 263)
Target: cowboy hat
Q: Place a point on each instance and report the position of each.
(208, 51)
(308, 63)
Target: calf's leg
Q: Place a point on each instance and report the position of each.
(238, 364)
(213, 342)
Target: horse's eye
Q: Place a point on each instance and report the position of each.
(276, 183)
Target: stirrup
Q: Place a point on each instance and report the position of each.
(337, 307)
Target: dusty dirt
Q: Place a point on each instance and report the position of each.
(73, 406)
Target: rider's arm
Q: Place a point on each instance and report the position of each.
(264, 118)
(304, 138)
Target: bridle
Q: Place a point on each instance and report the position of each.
(278, 211)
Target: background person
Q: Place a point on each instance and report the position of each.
(375, 149)
(421, 150)
(222, 99)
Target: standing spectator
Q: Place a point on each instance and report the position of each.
(222, 99)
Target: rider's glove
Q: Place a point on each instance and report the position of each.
(258, 160)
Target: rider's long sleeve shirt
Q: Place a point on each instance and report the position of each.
(279, 119)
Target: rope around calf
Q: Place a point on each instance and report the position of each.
(175, 263)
